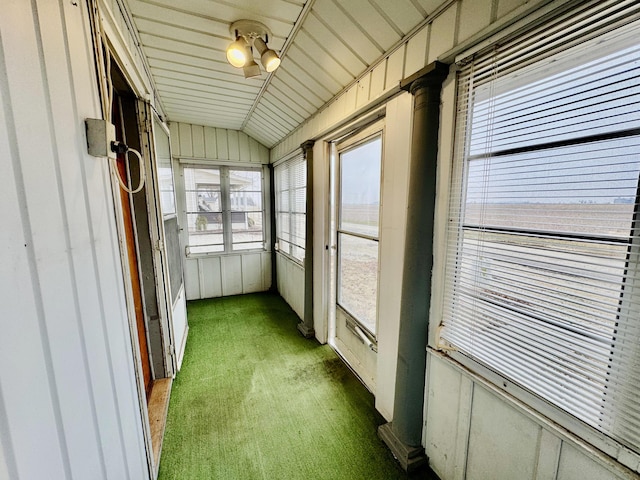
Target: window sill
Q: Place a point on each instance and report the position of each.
(195, 256)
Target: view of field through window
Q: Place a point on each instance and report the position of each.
(358, 231)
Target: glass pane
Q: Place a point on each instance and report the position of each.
(358, 278)
(204, 210)
(246, 230)
(250, 180)
(165, 172)
(360, 188)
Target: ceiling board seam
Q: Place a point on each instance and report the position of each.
(313, 79)
(205, 84)
(208, 17)
(313, 62)
(387, 18)
(328, 52)
(208, 97)
(181, 27)
(339, 37)
(155, 57)
(270, 122)
(279, 90)
(204, 113)
(287, 43)
(274, 116)
(208, 77)
(359, 26)
(212, 89)
(311, 92)
(177, 104)
(418, 7)
(234, 5)
(174, 39)
(268, 104)
(163, 49)
(206, 100)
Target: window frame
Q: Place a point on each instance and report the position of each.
(534, 405)
(226, 208)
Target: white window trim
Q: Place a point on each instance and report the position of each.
(228, 249)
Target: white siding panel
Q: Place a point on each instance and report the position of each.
(252, 273)
(377, 80)
(574, 465)
(210, 143)
(502, 441)
(362, 97)
(210, 277)
(231, 267)
(180, 326)
(417, 52)
(443, 30)
(474, 16)
(186, 142)
(507, 6)
(244, 153)
(291, 283)
(448, 410)
(61, 274)
(192, 279)
(234, 145)
(197, 136)
(223, 144)
(395, 68)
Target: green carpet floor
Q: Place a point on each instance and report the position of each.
(255, 400)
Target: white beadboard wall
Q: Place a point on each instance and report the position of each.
(291, 283)
(218, 275)
(195, 142)
(68, 394)
(475, 432)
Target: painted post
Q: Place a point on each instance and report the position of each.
(404, 434)
(306, 326)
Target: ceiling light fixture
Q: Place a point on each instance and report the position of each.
(240, 52)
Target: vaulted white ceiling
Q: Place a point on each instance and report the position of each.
(324, 45)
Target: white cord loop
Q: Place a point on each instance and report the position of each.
(114, 170)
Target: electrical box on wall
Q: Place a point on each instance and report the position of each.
(100, 135)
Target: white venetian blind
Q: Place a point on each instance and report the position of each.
(543, 274)
(291, 195)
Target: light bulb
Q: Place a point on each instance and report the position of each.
(237, 52)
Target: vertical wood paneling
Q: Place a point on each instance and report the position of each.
(175, 138)
(185, 139)
(377, 80)
(192, 279)
(244, 153)
(548, 456)
(395, 68)
(234, 145)
(210, 277)
(231, 270)
(362, 96)
(252, 273)
(197, 136)
(210, 143)
(474, 16)
(68, 396)
(417, 52)
(442, 34)
(223, 144)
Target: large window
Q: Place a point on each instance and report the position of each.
(291, 196)
(543, 260)
(224, 209)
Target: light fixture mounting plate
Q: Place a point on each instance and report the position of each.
(249, 29)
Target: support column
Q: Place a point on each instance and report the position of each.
(273, 237)
(404, 434)
(306, 326)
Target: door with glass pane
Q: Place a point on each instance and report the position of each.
(357, 231)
